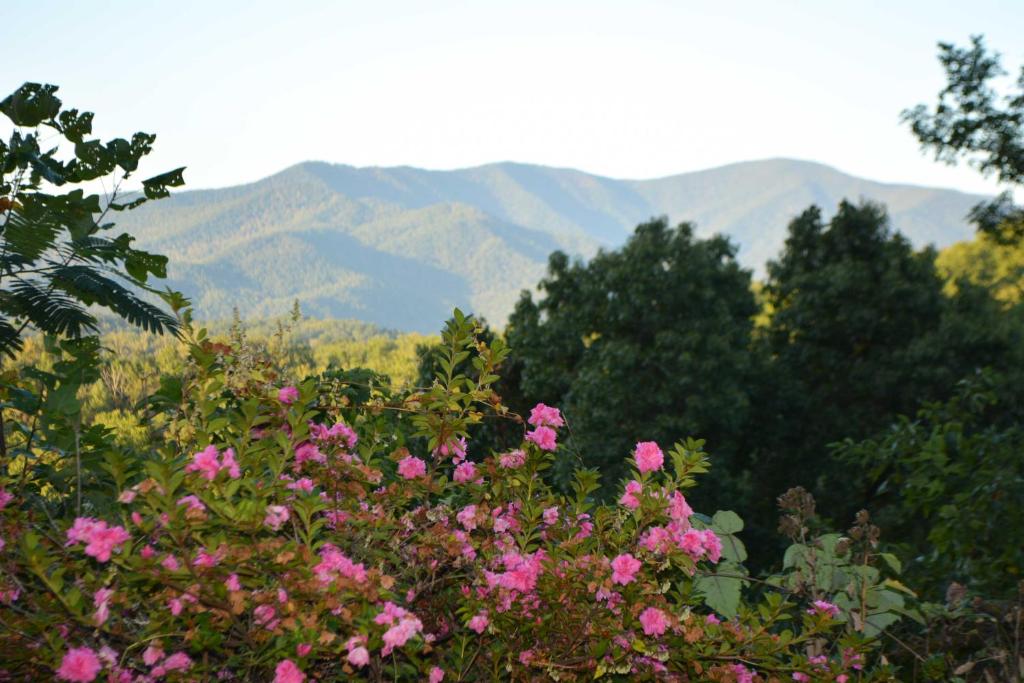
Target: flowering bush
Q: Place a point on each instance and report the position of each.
(331, 530)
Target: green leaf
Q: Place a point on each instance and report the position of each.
(727, 522)
(720, 593)
(31, 104)
(156, 187)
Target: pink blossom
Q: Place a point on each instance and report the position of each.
(629, 498)
(512, 460)
(179, 661)
(525, 657)
(436, 675)
(411, 467)
(229, 463)
(287, 671)
(170, 563)
(100, 539)
(743, 674)
(649, 457)
(126, 496)
(307, 451)
(479, 622)
(334, 563)
(800, 676)
(305, 484)
(824, 607)
(545, 416)
(359, 656)
(624, 569)
(232, 583)
(678, 509)
(287, 396)
(101, 601)
(711, 544)
(453, 447)
(550, 515)
(79, 664)
(654, 621)
(276, 516)
(152, 655)
(544, 437)
(265, 616)
(692, 543)
(399, 634)
(5, 498)
(467, 517)
(303, 649)
(205, 462)
(465, 472)
(712, 619)
(193, 503)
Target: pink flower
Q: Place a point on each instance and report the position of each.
(712, 619)
(232, 583)
(228, 463)
(629, 498)
(678, 509)
(544, 437)
(649, 457)
(101, 601)
(303, 649)
(465, 472)
(100, 539)
(334, 563)
(692, 543)
(79, 664)
(205, 462)
(179, 661)
(411, 467)
(479, 622)
(264, 616)
(5, 498)
(545, 416)
(277, 515)
(359, 656)
(436, 675)
(654, 621)
(513, 460)
(824, 607)
(743, 674)
(287, 671)
(152, 655)
(802, 677)
(467, 517)
(288, 396)
(551, 515)
(193, 503)
(126, 496)
(624, 569)
(399, 634)
(711, 544)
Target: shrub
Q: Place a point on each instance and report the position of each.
(333, 530)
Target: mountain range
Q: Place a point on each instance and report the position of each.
(400, 247)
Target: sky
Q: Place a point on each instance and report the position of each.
(236, 91)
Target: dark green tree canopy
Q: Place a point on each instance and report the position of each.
(630, 344)
(57, 257)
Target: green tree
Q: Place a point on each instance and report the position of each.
(57, 258)
(647, 342)
(974, 121)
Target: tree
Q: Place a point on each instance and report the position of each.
(860, 332)
(973, 121)
(56, 256)
(648, 342)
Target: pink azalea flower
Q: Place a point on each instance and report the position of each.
(629, 498)
(649, 457)
(205, 462)
(232, 583)
(152, 655)
(359, 656)
(550, 515)
(824, 607)
(692, 543)
(678, 509)
(101, 601)
(624, 569)
(193, 503)
(227, 462)
(711, 544)
(545, 416)
(287, 671)
(411, 467)
(80, 664)
(276, 516)
(5, 498)
(100, 539)
(467, 517)
(479, 622)
(436, 675)
(287, 396)
(544, 437)
(303, 649)
(465, 472)
(126, 496)
(654, 621)
(179, 661)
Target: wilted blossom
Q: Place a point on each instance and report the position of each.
(80, 664)
(544, 437)
(649, 457)
(411, 467)
(624, 569)
(467, 517)
(512, 460)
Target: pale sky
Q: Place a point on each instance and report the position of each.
(236, 91)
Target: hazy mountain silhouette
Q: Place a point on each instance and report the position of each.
(401, 246)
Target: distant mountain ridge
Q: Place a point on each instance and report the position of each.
(401, 246)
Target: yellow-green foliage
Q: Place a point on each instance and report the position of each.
(984, 261)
